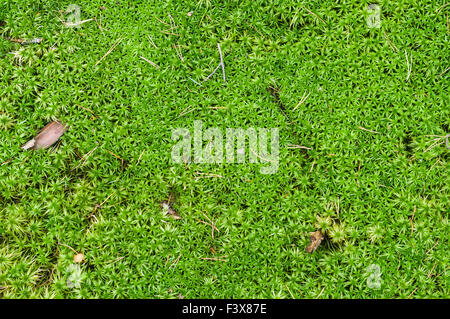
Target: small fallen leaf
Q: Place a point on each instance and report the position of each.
(28, 144)
(314, 241)
(78, 258)
(165, 206)
(47, 136)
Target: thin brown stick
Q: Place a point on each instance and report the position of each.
(161, 21)
(212, 225)
(293, 146)
(74, 24)
(314, 14)
(437, 242)
(431, 271)
(206, 175)
(436, 143)
(171, 28)
(89, 110)
(68, 247)
(211, 222)
(186, 111)
(60, 18)
(367, 130)
(408, 65)
(174, 264)
(221, 62)
(115, 260)
(99, 24)
(261, 158)
(442, 7)
(212, 73)
(8, 161)
(116, 156)
(320, 293)
(411, 221)
(85, 157)
(167, 260)
(289, 291)
(432, 166)
(140, 156)
(392, 45)
(312, 166)
(107, 198)
(218, 107)
(109, 51)
(169, 33)
(302, 100)
(178, 50)
(151, 41)
(412, 227)
(412, 293)
(443, 72)
(213, 259)
(49, 278)
(150, 62)
(172, 21)
(337, 207)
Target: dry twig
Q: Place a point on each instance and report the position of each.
(109, 51)
(150, 62)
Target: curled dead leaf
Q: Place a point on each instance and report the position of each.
(47, 136)
(314, 241)
(78, 258)
(168, 210)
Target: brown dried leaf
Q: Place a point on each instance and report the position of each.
(78, 258)
(29, 144)
(47, 136)
(314, 241)
(165, 206)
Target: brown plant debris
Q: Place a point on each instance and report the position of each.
(47, 136)
(168, 210)
(24, 41)
(78, 258)
(314, 241)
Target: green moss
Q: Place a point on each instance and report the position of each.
(108, 208)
